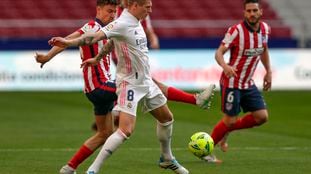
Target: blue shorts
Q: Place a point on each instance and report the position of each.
(232, 100)
(102, 100)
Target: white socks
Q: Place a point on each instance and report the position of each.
(111, 144)
(164, 133)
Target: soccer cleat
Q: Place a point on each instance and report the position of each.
(204, 98)
(66, 169)
(223, 143)
(173, 165)
(211, 159)
(90, 172)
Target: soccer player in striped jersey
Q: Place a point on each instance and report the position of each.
(248, 44)
(98, 87)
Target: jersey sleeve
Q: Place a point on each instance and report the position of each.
(230, 37)
(266, 34)
(89, 27)
(114, 29)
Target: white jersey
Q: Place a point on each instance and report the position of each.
(130, 44)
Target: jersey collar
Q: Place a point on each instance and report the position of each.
(249, 28)
(100, 22)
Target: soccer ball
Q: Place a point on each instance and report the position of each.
(201, 144)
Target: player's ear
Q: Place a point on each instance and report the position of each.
(261, 11)
(135, 4)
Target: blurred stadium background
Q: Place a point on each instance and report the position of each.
(27, 24)
(40, 128)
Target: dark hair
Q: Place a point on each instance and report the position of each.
(251, 1)
(107, 2)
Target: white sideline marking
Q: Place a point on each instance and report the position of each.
(153, 149)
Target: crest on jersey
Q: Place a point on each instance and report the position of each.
(264, 39)
(129, 105)
(229, 106)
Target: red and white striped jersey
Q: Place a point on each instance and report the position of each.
(95, 76)
(246, 47)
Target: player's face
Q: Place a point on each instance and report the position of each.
(106, 13)
(145, 9)
(252, 13)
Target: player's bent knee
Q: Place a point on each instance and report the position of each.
(262, 119)
(126, 132)
(104, 134)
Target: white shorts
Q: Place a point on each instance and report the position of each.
(129, 96)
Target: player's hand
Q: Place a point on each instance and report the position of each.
(267, 82)
(41, 58)
(88, 62)
(229, 71)
(59, 41)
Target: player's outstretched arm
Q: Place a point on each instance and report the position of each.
(104, 51)
(86, 39)
(44, 58)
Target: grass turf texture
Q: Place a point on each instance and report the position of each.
(40, 131)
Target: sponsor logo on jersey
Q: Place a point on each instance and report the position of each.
(254, 51)
(141, 41)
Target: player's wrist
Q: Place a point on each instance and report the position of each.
(97, 58)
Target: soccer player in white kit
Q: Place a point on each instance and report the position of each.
(134, 83)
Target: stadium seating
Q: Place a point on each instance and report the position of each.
(297, 15)
(171, 18)
(207, 18)
(37, 19)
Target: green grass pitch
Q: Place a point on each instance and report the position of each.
(40, 131)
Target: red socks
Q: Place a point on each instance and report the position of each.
(221, 128)
(83, 153)
(219, 131)
(245, 122)
(178, 95)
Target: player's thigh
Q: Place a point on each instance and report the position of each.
(104, 123)
(230, 101)
(154, 98)
(102, 101)
(252, 100)
(162, 86)
(127, 123)
(129, 97)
